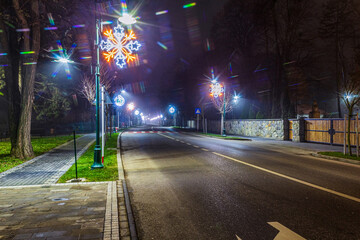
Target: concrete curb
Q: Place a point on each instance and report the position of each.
(206, 136)
(336, 158)
(127, 222)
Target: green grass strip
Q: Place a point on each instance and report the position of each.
(227, 137)
(40, 145)
(340, 155)
(108, 173)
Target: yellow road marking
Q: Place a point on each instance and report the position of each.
(284, 232)
(292, 179)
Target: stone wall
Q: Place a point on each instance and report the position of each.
(266, 128)
(298, 130)
(273, 128)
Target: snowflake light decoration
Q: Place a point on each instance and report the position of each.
(216, 90)
(119, 100)
(119, 46)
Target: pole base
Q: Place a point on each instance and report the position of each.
(97, 158)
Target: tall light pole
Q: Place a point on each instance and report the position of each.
(224, 114)
(97, 150)
(119, 46)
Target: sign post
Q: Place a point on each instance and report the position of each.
(197, 112)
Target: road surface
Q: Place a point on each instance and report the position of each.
(184, 186)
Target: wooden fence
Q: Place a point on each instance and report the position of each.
(330, 131)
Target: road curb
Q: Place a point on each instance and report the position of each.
(336, 158)
(127, 222)
(201, 135)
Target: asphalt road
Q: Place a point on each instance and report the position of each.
(184, 186)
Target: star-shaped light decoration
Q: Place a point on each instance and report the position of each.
(119, 46)
(216, 90)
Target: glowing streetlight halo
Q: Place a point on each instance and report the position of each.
(127, 19)
(131, 106)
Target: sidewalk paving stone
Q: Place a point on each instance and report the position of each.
(46, 168)
(62, 211)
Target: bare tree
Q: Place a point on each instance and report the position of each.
(88, 86)
(218, 103)
(351, 97)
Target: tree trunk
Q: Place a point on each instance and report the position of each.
(12, 81)
(23, 148)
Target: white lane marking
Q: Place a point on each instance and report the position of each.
(188, 143)
(293, 179)
(204, 149)
(285, 233)
(195, 146)
(237, 237)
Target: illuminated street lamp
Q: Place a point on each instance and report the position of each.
(131, 106)
(127, 19)
(236, 98)
(137, 112)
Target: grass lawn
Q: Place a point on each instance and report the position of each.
(227, 137)
(108, 173)
(40, 146)
(340, 155)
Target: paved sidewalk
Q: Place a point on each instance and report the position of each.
(91, 210)
(61, 211)
(46, 168)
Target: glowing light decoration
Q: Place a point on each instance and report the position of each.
(120, 46)
(119, 100)
(216, 90)
(171, 110)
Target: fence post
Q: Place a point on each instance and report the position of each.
(357, 134)
(344, 151)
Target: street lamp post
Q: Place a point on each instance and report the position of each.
(97, 150)
(224, 114)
